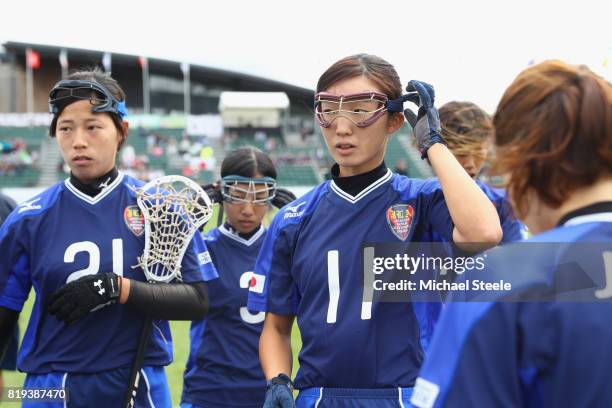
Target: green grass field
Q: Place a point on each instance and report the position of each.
(180, 336)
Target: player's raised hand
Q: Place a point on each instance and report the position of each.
(279, 394)
(426, 124)
(88, 293)
(282, 197)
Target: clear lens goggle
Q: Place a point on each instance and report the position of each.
(363, 108)
(100, 98)
(244, 190)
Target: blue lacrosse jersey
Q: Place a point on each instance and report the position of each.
(311, 266)
(531, 353)
(513, 229)
(61, 235)
(223, 368)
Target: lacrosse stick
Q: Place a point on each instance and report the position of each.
(174, 208)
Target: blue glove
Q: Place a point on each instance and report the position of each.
(279, 394)
(425, 125)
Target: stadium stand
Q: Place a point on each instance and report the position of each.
(168, 151)
(19, 160)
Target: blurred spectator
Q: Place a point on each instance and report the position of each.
(172, 149)
(128, 156)
(270, 144)
(15, 158)
(261, 137)
(184, 146)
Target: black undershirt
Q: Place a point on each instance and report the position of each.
(95, 187)
(354, 185)
(600, 207)
(246, 236)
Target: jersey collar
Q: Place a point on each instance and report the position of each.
(598, 212)
(233, 235)
(363, 193)
(104, 191)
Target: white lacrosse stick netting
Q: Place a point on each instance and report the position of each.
(174, 208)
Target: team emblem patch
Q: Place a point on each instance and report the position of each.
(399, 217)
(134, 219)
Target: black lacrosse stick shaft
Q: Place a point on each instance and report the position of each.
(132, 389)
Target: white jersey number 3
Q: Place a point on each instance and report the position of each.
(248, 317)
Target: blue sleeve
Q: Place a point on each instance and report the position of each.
(15, 278)
(472, 360)
(439, 216)
(272, 287)
(513, 229)
(197, 265)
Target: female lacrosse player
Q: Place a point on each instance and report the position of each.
(553, 136)
(468, 133)
(356, 351)
(76, 244)
(223, 369)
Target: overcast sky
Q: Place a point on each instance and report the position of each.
(469, 50)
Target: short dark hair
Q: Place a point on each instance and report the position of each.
(247, 161)
(101, 77)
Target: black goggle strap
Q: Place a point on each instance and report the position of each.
(82, 89)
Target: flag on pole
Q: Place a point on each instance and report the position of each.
(32, 58)
(107, 61)
(143, 62)
(146, 98)
(63, 58)
(186, 87)
(185, 67)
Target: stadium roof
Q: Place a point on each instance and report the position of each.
(222, 77)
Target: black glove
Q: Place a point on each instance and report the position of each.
(214, 192)
(86, 294)
(283, 197)
(280, 393)
(426, 124)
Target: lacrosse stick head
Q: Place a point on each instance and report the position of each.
(174, 208)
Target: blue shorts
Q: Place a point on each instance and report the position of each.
(354, 398)
(104, 389)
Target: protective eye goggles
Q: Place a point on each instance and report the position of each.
(362, 108)
(100, 98)
(244, 190)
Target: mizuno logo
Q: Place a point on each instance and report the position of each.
(294, 208)
(104, 185)
(292, 212)
(29, 205)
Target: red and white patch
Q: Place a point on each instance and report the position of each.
(399, 218)
(256, 284)
(134, 219)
